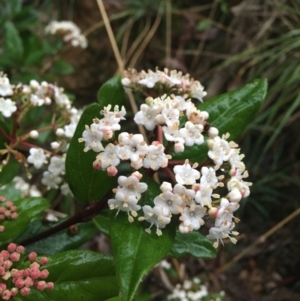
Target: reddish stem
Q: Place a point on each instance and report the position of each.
(159, 134)
(170, 174)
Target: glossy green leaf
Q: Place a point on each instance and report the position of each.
(112, 92)
(230, 113)
(86, 183)
(192, 243)
(8, 172)
(104, 221)
(29, 209)
(13, 45)
(78, 275)
(61, 241)
(136, 251)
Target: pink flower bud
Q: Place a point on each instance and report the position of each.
(50, 285)
(5, 254)
(44, 260)
(20, 249)
(15, 256)
(44, 274)
(6, 295)
(7, 264)
(213, 212)
(13, 208)
(196, 187)
(97, 165)
(2, 271)
(35, 266)
(41, 285)
(26, 273)
(2, 217)
(9, 204)
(112, 171)
(11, 247)
(178, 147)
(14, 291)
(25, 291)
(35, 274)
(28, 282)
(156, 143)
(107, 134)
(32, 256)
(2, 287)
(19, 283)
(14, 215)
(6, 276)
(2, 228)
(7, 213)
(2, 209)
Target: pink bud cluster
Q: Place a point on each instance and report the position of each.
(22, 279)
(7, 211)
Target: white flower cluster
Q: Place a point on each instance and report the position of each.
(27, 97)
(179, 83)
(7, 106)
(189, 291)
(195, 193)
(70, 32)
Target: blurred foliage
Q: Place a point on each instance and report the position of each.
(24, 47)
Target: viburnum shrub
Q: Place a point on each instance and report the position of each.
(159, 175)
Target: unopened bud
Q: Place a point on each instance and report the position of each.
(112, 171)
(34, 134)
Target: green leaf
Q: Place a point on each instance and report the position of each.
(136, 252)
(193, 243)
(230, 112)
(13, 45)
(78, 275)
(61, 241)
(8, 172)
(103, 222)
(28, 209)
(112, 92)
(62, 67)
(86, 183)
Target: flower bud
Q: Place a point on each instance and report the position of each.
(34, 134)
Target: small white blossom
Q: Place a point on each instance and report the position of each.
(185, 174)
(36, 157)
(57, 165)
(155, 158)
(109, 157)
(5, 87)
(7, 107)
(193, 218)
(51, 180)
(220, 150)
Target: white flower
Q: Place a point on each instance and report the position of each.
(185, 174)
(169, 201)
(146, 116)
(192, 133)
(51, 180)
(220, 150)
(109, 157)
(149, 79)
(36, 100)
(5, 87)
(203, 196)
(197, 91)
(171, 132)
(92, 138)
(36, 157)
(65, 189)
(187, 195)
(209, 177)
(124, 201)
(157, 216)
(155, 158)
(133, 184)
(193, 218)
(7, 107)
(57, 165)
